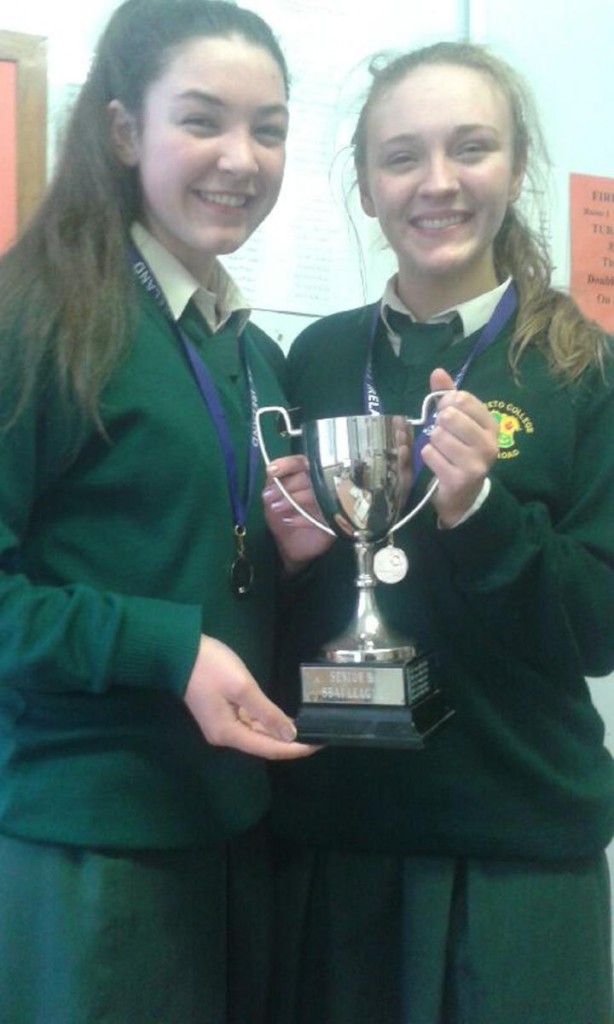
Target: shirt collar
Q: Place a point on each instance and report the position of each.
(217, 302)
(474, 313)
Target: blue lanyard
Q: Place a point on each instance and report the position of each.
(206, 386)
(372, 402)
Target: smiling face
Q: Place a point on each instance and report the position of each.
(439, 175)
(209, 147)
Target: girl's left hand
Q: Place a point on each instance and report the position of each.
(298, 540)
(460, 451)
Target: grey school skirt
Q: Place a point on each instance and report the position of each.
(432, 940)
(162, 937)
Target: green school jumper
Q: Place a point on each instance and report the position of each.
(464, 883)
(115, 557)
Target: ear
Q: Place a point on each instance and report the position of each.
(365, 198)
(517, 179)
(123, 134)
(516, 186)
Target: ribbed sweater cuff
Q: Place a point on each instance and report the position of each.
(157, 645)
(485, 548)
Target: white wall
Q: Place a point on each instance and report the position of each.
(565, 51)
(602, 691)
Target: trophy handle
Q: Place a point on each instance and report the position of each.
(291, 432)
(424, 415)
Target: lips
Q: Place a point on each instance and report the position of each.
(439, 221)
(228, 199)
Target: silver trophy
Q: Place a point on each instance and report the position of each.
(370, 686)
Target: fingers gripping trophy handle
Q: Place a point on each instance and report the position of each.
(291, 432)
(424, 416)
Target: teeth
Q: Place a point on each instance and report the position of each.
(439, 222)
(224, 198)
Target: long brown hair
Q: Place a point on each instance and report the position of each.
(66, 290)
(546, 317)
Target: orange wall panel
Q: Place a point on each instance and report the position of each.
(8, 152)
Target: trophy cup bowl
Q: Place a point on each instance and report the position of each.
(370, 686)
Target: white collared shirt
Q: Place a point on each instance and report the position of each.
(217, 302)
(474, 313)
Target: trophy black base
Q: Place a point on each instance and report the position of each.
(413, 710)
(339, 725)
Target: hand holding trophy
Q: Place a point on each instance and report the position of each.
(370, 687)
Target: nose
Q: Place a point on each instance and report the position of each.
(439, 177)
(238, 153)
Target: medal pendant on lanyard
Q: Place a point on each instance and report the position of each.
(241, 570)
(241, 574)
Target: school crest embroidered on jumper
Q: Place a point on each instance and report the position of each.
(512, 423)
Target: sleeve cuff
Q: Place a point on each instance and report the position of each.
(479, 501)
(157, 645)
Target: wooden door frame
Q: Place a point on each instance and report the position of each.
(28, 53)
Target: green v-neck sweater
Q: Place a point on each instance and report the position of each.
(114, 559)
(517, 603)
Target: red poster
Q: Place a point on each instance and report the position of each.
(8, 152)
(592, 247)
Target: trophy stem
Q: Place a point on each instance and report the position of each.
(367, 638)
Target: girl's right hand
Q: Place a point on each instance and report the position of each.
(231, 709)
(298, 540)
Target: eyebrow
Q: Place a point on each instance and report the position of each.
(459, 130)
(207, 97)
(465, 129)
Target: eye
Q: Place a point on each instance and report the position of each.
(474, 150)
(401, 159)
(200, 124)
(271, 133)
